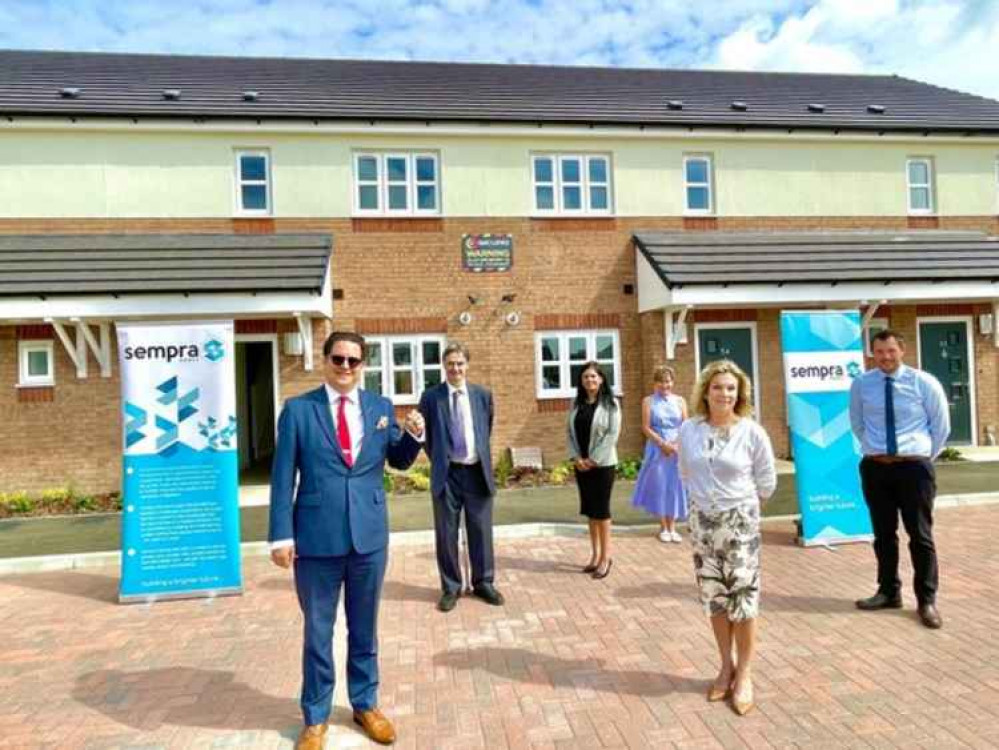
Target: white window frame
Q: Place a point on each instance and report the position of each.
(878, 323)
(585, 184)
(928, 186)
(419, 369)
(412, 182)
(24, 350)
(267, 182)
(710, 210)
(568, 390)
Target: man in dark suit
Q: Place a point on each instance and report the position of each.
(459, 422)
(336, 439)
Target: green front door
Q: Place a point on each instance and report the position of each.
(735, 343)
(943, 351)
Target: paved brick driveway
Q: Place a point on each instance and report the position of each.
(567, 663)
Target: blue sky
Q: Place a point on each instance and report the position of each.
(950, 43)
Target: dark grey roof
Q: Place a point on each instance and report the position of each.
(33, 265)
(819, 257)
(220, 87)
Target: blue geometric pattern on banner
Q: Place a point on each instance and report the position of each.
(169, 390)
(169, 434)
(821, 333)
(185, 405)
(136, 420)
(818, 419)
(220, 438)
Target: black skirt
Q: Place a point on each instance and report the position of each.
(595, 488)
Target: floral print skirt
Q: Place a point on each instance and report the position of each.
(726, 547)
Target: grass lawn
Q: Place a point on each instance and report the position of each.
(96, 533)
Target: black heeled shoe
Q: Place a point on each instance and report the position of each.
(598, 574)
(590, 568)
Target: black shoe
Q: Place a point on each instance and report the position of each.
(488, 593)
(447, 602)
(930, 617)
(598, 574)
(880, 601)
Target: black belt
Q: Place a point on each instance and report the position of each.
(884, 459)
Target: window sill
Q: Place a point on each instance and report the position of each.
(28, 386)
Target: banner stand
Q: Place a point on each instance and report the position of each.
(823, 354)
(180, 473)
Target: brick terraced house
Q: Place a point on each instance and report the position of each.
(543, 215)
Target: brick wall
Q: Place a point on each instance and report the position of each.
(406, 277)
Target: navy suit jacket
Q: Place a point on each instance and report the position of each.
(336, 508)
(436, 411)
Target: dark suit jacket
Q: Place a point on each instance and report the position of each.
(436, 410)
(336, 507)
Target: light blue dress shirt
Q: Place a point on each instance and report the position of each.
(922, 417)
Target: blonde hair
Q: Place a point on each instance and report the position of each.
(744, 399)
(661, 372)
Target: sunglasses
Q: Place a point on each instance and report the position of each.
(339, 360)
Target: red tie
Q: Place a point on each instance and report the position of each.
(343, 432)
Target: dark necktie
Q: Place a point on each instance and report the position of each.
(343, 432)
(459, 448)
(891, 439)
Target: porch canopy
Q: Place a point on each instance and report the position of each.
(78, 280)
(679, 272)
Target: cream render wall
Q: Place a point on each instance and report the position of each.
(48, 174)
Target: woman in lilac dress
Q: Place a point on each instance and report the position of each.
(659, 489)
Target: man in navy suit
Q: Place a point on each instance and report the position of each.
(336, 439)
(459, 423)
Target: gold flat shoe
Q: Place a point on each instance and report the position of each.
(742, 707)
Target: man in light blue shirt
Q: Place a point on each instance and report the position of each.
(902, 419)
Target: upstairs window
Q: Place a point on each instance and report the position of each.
(253, 183)
(568, 184)
(919, 174)
(697, 188)
(396, 184)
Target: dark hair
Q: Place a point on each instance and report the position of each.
(604, 395)
(888, 333)
(455, 347)
(354, 338)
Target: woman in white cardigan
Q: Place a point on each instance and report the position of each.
(727, 465)
(593, 428)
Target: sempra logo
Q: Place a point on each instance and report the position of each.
(826, 372)
(170, 352)
(821, 371)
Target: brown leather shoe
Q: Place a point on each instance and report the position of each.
(376, 726)
(313, 737)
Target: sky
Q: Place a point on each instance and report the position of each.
(951, 43)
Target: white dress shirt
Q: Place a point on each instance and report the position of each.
(352, 410)
(466, 416)
(724, 470)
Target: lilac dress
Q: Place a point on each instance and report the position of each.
(659, 489)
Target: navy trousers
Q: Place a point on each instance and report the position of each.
(318, 581)
(466, 490)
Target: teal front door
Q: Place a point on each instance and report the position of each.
(943, 352)
(735, 343)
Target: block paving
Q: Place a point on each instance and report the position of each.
(568, 662)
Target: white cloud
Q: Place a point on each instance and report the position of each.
(947, 42)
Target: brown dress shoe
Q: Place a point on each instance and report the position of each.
(312, 737)
(376, 726)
